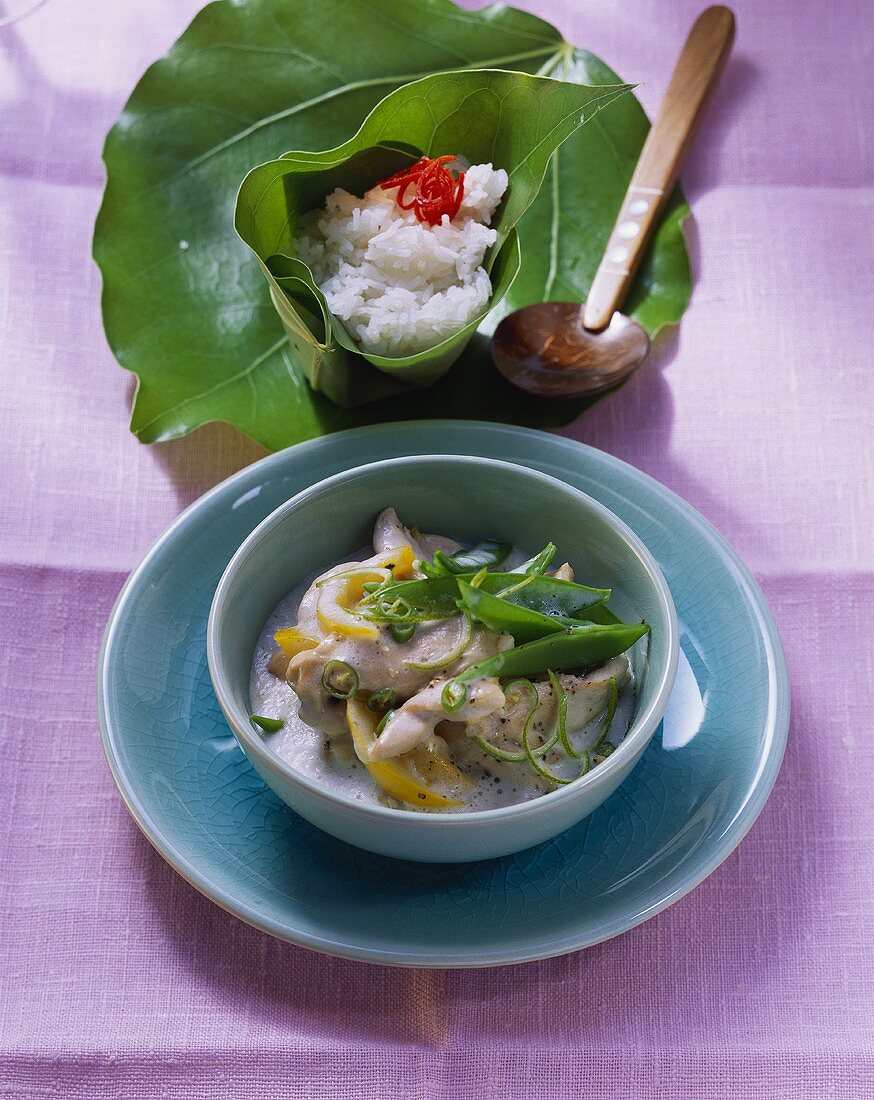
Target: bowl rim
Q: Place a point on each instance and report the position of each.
(638, 736)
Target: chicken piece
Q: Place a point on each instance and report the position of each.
(564, 572)
(587, 697)
(278, 664)
(389, 533)
(416, 720)
(434, 639)
(382, 662)
(432, 543)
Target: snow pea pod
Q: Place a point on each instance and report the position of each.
(599, 613)
(548, 595)
(525, 624)
(437, 597)
(484, 555)
(578, 647)
(413, 601)
(540, 562)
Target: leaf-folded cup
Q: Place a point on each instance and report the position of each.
(512, 120)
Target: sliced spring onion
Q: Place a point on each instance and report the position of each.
(392, 608)
(453, 696)
(402, 632)
(416, 601)
(607, 749)
(531, 756)
(512, 690)
(449, 658)
(339, 679)
(384, 699)
(516, 690)
(269, 725)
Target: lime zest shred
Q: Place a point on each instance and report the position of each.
(609, 714)
(449, 658)
(561, 716)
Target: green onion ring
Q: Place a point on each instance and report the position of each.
(384, 699)
(541, 770)
(503, 755)
(402, 632)
(339, 679)
(453, 696)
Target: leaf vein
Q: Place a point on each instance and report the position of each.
(244, 373)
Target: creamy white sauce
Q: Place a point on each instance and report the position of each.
(331, 762)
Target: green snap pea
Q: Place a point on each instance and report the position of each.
(577, 647)
(419, 601)
(485, 555)
(540, 562)
(437, 597)
(402, 632)
(499, 614)
(598, 613)
(548, 595)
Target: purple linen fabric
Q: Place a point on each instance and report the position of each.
(118, 979)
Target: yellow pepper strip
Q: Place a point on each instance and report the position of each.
(293, 641)
(391, 775)
(401, 562)
(429, 763)
(337, 597)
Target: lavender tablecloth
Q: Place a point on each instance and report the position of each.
(118, 979)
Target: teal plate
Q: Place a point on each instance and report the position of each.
(698, 788)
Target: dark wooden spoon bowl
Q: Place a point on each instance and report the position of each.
(546, 350)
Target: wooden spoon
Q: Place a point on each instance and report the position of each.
(562, 349)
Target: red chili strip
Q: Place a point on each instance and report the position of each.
(438, 192)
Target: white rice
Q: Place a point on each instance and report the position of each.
(399, 285)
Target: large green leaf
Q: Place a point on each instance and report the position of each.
(185, 305)
(513, 120)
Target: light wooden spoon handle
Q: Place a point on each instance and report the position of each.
(695, 74)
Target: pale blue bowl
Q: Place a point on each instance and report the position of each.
(470, 499)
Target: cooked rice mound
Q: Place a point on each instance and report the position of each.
(398, 285)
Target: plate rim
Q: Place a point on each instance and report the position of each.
(761, 784)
